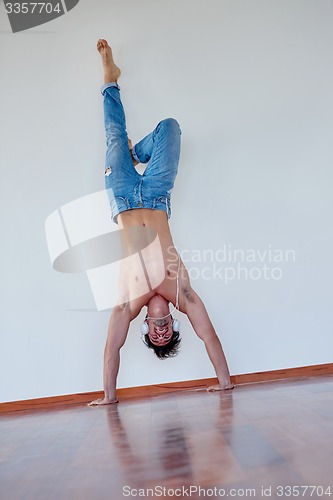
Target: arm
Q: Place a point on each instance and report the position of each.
(193, 306)
(217, 357)
(117, 333)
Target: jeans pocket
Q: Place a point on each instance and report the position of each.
(119, 204)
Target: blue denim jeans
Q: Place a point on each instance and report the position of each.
(128, 189)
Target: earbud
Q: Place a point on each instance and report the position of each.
(176, 325)
(144, 328)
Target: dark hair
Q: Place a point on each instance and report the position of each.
(165, 351)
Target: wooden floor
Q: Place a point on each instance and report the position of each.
(268, 434)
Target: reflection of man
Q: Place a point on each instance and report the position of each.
(143, 201)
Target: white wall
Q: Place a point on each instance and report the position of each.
(250, 82)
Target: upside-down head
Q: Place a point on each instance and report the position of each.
(161, 336)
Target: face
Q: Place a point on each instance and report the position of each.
(160, 330)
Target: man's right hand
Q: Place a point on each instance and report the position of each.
(103, 401)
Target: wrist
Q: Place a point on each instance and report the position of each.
(110, 401)
(224, 381)
(110, 397)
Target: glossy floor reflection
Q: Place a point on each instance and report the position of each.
(261, 435)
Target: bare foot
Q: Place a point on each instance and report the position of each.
(111, 71)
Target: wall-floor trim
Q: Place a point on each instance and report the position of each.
(155, 390)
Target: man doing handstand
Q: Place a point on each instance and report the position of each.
(143, 201)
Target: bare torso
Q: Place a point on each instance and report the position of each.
(153, 269)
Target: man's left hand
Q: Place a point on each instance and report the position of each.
(218, 387)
